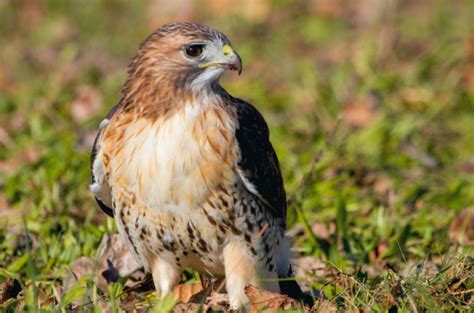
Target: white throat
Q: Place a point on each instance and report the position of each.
(207, 78)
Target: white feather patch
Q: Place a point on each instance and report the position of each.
(210, 75)
(100, 188)
(248, 185)
(103, 123)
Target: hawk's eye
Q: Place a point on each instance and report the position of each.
(195, 50)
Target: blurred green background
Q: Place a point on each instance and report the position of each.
(371, 109)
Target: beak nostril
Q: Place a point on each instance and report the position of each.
(227, 50)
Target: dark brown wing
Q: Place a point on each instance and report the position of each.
(258, 163)
(98, 185)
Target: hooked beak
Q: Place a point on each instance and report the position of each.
(231, 60)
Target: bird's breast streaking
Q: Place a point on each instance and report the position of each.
(171, 162)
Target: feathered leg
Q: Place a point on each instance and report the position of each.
(240, 271)
(165, 276)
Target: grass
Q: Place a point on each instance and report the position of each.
(371, 110)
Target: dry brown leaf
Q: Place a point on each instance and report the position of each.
(467, 75)
(113, 262)
(87, 102)
(4, 203)
(191, 308)
(31, 13)
(307, 267)
(185, 292)
(323, 230)
(10, 289)
(467, 78)
(377, 262)
(116, 261)
(327, 8)
(104, 307)
(462, 227)
(163, 11)
(82, 266)
(382, 184)
(364, 13)
(218, 299)
(324, 306)
(266, 301)
(358, 113)
(255, 10)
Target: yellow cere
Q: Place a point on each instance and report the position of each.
(227, 50)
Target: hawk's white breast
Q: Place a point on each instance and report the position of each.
(171, 163)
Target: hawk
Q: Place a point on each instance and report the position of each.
(188, 171)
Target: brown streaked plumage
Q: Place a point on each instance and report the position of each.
(188, 171)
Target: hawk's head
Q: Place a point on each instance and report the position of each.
(183, 56)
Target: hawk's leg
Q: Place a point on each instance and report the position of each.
(240, 271)
(165, 276)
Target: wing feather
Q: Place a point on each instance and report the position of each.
(99, 185)
(258, 163)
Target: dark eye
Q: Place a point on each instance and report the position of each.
(194, 50)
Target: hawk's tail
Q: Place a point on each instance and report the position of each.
(287, 282)
(290, 287)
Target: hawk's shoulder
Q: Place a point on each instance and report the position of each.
(258, 163)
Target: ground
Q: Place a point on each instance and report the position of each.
(371, 110)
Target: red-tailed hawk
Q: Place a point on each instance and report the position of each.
(188, 171)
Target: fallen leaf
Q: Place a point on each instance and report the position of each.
(382, 184)
(307, 267)
(162, 11)
(327, 8)
(462, 227)
(87, 102)
(191, 308)
(218, 299)
(31, 13)
(82, 266)
(254, 10)
(467, 75)
(185, 292)
(10, 289)
(377, 261)
(323, 230)
(266, 301)
(358, 113)
(116, 261)
(72, 294)
(467, 78)
(324, 306)
(4, 203)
